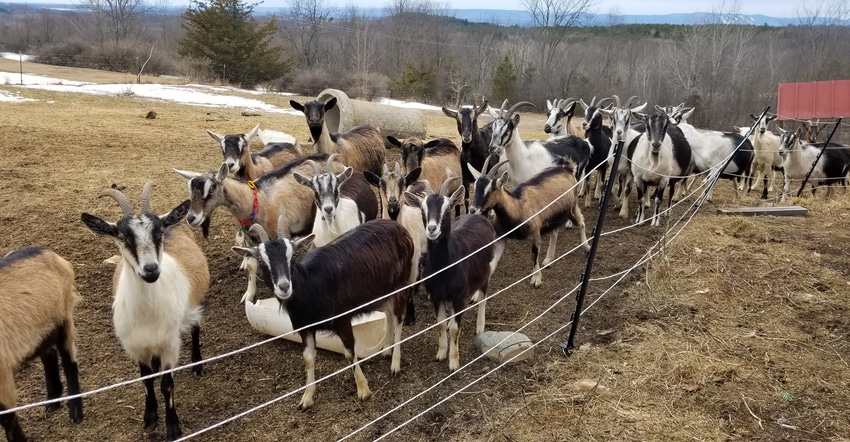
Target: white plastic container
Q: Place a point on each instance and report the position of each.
(267, 317)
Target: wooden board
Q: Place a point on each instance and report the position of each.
(774, 211)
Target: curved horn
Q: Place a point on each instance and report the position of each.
(126, 207)
(492, 172)
(518, 105)
(281, 221)
(604, 100)
(617, 100)
(258, 230)
(629, 103)
(445, 187)
(146, 197)
(316, 170)
(502, 109)
(331, 160)
(486, 162)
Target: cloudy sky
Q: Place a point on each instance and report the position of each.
(774, 8)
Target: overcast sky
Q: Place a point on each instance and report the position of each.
(773, 8)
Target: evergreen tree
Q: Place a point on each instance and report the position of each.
(223, 36)
(504, 81)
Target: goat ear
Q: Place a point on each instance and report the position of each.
(372, 179)
(771, 118)
(549, 105)
(432, 143)
(413, 175)
(394, 141)
(516, 120)
(186, 174)
(303, 242)
(475, 173)
(412, 200)
(330, 104)
(99, 226)
(296, 105)
(737, 129)
(176, 215)
(244, 251)
(583, 104)
(450, 113)
(215, 136)
(502, 179)
(640, 116)
(659, 108)
(345, 175)
(755, 118)
(639, 108)
(493, 112)
(222, 173)
(458, 195)
(303, 180)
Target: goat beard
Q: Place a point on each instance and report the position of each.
(315, 131)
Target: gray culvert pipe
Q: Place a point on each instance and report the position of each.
(391, 120)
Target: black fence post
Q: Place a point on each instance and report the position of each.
(569, 347)
(817, 158)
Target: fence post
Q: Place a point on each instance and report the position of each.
(569, 347)
(21, 64)
(817, 158)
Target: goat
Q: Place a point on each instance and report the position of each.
(621, 117)
(362, 147)
(247, 166)
(158, 286)
(438, 158)
(475, 142)
(456, 283)
(559, 122)
(600, 144)
(798, 158)
(528, 158)
(526, 199)
(353, 272)
(811, 130)
(662, 157)
(338, 209)
(710, 150)
(766, 159)
(37, 298)
(256, 202)
(391, 187)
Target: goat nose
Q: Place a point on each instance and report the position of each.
(151, 268)
(283, 287)
(432, 227)
(393, 200)
(547, 128)
(619, 132)
(328, 210)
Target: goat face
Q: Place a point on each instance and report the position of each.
(592, 119)
(484, 188)
(326, 190)
(234, 146)
(275, 260)
(437, 209)
(503, 132)
(392, 185)
(656, 130)
(788, 141)
(555, 120)
(314, 111)
(466, 118)
(206, 192)
(139, 238)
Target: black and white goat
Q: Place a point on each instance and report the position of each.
(475, 142)
(623, 129)
(559, 121)
(662, 158)
(256, 202)
(831, 169)
(353, 272)
(514, 207)
(361, 147)
(37, 298)
(457, 283)
(711, 148)
(339, 207)
(391, 188)
(598, 136)
(158, 286)
(526, 159)
(245, 165)
(766, 160)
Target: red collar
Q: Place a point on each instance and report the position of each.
(247, 222)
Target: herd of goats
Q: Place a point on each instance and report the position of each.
(330, 249)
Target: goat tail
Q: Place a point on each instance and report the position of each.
(566, 163)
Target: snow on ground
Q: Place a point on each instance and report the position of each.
(192, 94)
(12, 97)
(14, 56)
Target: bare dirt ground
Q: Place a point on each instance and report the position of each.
(739, 331)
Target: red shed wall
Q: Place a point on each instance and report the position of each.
(816, 99)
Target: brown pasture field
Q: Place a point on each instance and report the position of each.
(737, 331)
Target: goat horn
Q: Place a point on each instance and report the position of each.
(592, 101)
(502, 109)
(258, 230)
(316, 170)
(397, 169)
(492, 172)
(599, 104)
(281, 221)
(146, 197)
(486, 162)
(517, 106)
(331, 160)
(617, 100)
(629, 103)
(445, 187)
(123, 202)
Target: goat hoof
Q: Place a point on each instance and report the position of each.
(150, 420)
(75, 410)
(305, 404)
(173, 432)
(51, 408)
(364, 396)
(198, 370)
(536, 282)
(440, 357)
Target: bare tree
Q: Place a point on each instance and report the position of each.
(824, 24)
(552, 19)
(121, 16)
(307, 28)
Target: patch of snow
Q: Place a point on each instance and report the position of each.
(408, 105)
(14, 56)
(6, 96)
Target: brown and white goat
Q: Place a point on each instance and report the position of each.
(523, 201)
(37, 298)
(245, 165)
(348, 277)
(362, 147)
(158, 286)
(256, 202)
(438, 158)
(453, 283)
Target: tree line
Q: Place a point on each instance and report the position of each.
(416, 50)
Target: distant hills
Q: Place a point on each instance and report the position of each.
(507, 17)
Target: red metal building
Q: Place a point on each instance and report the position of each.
(815, 99)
